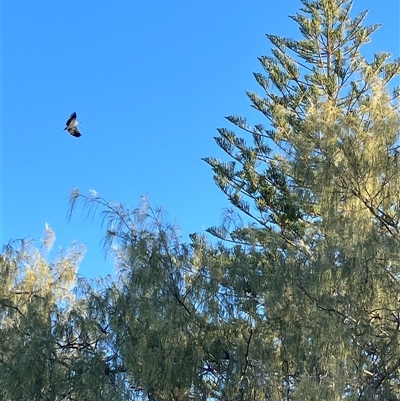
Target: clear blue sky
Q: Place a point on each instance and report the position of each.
(151, 80)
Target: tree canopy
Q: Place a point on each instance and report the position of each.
(321, 185)
(298, 299)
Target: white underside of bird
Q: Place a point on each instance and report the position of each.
(72, 126)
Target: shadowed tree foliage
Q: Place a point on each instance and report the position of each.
(174, 325)
(187, 319)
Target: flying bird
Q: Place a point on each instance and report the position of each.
(72, 126)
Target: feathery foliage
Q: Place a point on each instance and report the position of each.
(320, 187)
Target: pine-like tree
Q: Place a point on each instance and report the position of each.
(320, 186)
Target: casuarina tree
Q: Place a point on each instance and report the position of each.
(316, 186)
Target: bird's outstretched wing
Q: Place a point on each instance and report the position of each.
(72, 117)
(74, 132)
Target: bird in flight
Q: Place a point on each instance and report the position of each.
(72, 126)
